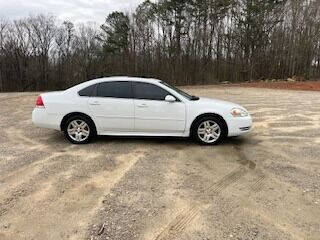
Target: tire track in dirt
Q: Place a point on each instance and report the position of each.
(258, 184)
(29, 179)
(227, 180)
(18, 137)
(180, 222)
(62, 202)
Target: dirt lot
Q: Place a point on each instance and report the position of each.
(262, 186)
(309, 85)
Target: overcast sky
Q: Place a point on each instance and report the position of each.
(74, 10)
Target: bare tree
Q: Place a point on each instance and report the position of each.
(42, 30)
(180, 41)
(3, 28)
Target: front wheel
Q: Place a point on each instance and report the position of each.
(209, 130)
(79, 130)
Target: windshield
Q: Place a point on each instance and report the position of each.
(184, 94)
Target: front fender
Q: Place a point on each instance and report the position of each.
(194, 115)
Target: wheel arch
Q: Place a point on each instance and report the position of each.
(66, 117)
(209, 114)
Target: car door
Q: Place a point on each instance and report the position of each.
(153, 114)
(112, 106)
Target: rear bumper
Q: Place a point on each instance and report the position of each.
(239, 126)
(41, 118)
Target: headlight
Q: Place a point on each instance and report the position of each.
(238, 112)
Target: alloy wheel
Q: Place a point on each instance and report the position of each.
(209, 131)
(78, 130)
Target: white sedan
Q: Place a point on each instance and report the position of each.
(125, 106)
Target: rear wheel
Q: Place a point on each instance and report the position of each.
(79, 129)
(209, 130)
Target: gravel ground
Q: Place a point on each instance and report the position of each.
(262, 186)
(307, 85)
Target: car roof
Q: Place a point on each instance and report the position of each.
(125, 78)
(110, 79)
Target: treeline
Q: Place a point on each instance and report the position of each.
(184, 42)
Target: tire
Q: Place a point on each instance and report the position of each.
(211, 134)
(79, 129)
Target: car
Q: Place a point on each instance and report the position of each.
(128, 106)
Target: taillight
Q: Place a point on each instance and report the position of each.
(39, 102)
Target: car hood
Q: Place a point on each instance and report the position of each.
(222, 103)
(217, 104)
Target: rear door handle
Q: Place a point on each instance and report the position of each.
(95, 103)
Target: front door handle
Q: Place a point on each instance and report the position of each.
(95, 103)
(142, 105)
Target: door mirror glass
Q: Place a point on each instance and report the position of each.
(170, 98)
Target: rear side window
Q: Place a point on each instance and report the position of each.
(120, 89)
(149, 91)
(88, 91)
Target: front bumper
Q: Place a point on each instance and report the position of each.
(239, 125)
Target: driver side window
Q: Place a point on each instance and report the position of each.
(149, 91)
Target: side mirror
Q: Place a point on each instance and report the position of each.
(170, 99)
